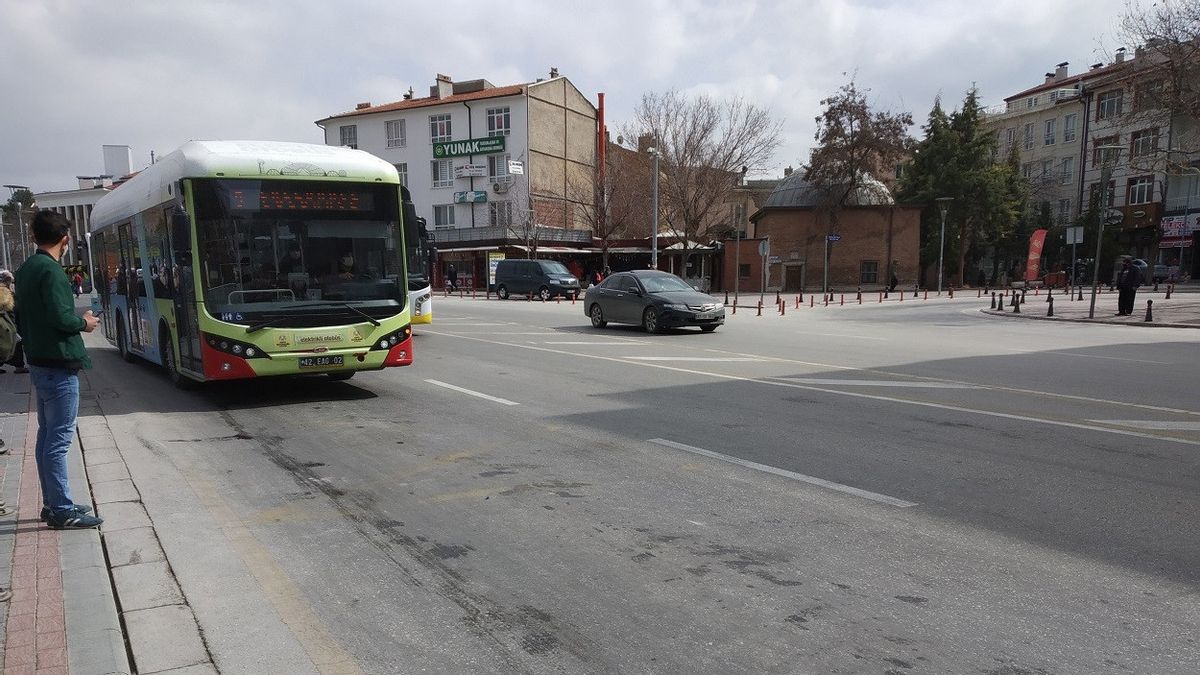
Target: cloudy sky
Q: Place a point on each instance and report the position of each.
(152, 74)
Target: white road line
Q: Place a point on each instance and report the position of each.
(1110, 358)
(478, 325)
(499, 332)
(1153, 424)
(468, 392)
(594, 342)
(843, 335)
(723, 359)
(873, 496)
(881, 383)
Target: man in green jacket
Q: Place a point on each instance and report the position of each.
(54, 349)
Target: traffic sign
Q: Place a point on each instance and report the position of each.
(764, 248)
(834, 237)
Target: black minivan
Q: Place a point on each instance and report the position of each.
(544, 278)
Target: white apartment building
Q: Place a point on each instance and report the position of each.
(77, 204)
(1069, 128)
(459, 149)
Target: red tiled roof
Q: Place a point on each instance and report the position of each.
(1071, 81)
(408, 104)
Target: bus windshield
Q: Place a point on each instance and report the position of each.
(294, 245)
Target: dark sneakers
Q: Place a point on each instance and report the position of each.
(81, 508)
(74, 518)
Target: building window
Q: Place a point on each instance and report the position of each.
(443, 215)
(1106, 156)
(743, 270)
(1027, 169)
(443, 173)
(396, 135)
(1068, 169)
(1010, 138)
(349, 135)
(1047, 169)
(1142, 143)
(1141, 190)
(1051, 132)
(497, 121)
(1108, 105)
(402, 171)
(869, 272)
(1069, 123)
(498, 169)
(1029, 136)
(1064, 210)
(500, 214)
(1149, 95)
(1031, 102)
(439, 128)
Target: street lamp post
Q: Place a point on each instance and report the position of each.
(943, 206)
(654, 229)
(737, 250)
(12, 191)
(1102, 211)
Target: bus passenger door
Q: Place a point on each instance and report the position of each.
(129, 278)
(186, 324)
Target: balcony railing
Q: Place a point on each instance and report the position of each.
(544, 234)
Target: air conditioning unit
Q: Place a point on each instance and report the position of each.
(500, 187)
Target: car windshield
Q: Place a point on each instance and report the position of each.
(664, 284)
(275, 245)
(552, 267)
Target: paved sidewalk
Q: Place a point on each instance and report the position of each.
(1150, 309)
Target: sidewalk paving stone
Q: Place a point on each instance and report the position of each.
(164, 638)
(115, 491)
(133, 546)
(146, 585)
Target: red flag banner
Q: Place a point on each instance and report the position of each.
(1033, 264)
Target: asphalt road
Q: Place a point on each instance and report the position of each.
(895, 488)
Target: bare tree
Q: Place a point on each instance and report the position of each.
(522, 219)
(854, 141)
(1167, 68)
(610, 211)
(702, 146)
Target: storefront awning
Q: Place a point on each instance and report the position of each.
(557, 249)
(468, 249)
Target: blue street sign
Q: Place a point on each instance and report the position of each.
(833, 237)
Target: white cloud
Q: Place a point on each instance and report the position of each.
(153, 75)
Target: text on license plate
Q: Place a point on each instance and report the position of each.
(322, 361)
(707, 315)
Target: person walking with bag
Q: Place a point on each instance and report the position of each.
(1128, 280)
(55, 352)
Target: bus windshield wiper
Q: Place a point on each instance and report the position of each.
(336, 303)
(255, 327)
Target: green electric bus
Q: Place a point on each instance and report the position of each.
(238, 259)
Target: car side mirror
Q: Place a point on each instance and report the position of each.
(636, 291)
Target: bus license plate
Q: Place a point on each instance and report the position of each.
(322, 361)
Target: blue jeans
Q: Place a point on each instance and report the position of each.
(57, 391)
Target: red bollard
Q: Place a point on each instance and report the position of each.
(1170, 287)
(842, 300)
(760, 307)
(926, 294)
(783, 308)
(727, 297)
(1035, 292)
(880, 296)
(558, 299)
(797, 302)
(979, 293)
(735, 307)
(810, 301)
(951, 291)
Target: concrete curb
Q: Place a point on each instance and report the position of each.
(1025, 314)
(160, 626)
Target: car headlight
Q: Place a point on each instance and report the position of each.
(677, 308)
(719, 305)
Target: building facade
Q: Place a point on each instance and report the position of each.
(490, 168)
(1071, 130)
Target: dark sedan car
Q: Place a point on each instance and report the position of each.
(653, 299)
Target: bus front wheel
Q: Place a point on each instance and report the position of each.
(341, 375)
(169, 363)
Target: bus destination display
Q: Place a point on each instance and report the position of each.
(298, 199)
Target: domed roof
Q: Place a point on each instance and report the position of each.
(796, 193)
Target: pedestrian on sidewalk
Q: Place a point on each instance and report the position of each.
(46, 317)
(17, 358)
(452, 276)
(1128, 280)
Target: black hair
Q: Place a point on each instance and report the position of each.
(49, 227)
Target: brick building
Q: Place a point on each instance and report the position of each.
(872, 230)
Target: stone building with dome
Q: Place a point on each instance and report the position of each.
(872, 231)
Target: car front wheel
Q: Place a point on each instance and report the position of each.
(650, 320)
(502, 292)
(544, 293)
(597, 317)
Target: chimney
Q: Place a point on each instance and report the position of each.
(553, 72)
(1060, 71)
(363, 106)
(645, 142)
(1049, 77)
(408, 94)
(443, 88)
(118, 160)
(1120, 55)
(1096, 65)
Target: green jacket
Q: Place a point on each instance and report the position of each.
(46, 318)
